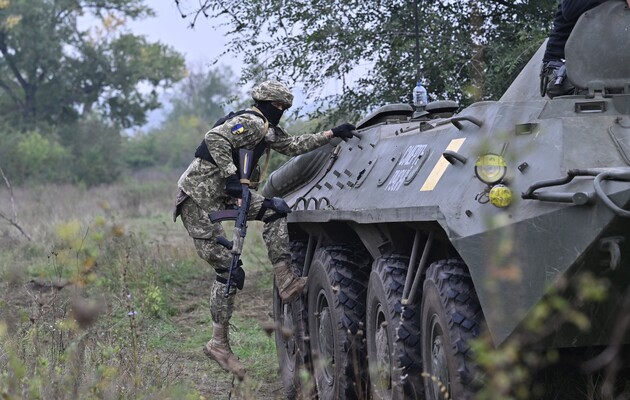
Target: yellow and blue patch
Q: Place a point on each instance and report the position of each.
(238, 129)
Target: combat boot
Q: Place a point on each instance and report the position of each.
(218, 349)
(289, 284)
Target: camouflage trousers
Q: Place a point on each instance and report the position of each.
(204, 234)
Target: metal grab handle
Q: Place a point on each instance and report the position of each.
(452, 156)
(581, 198)
(597, 183)
(530, 194)
(307, 202)
(356, 134)
(577, 198)
(456, 121)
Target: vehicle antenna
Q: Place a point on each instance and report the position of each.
(417, 22)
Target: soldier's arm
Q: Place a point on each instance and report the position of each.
(240, 132)
(572, 9)
(220, 149)
(296, 145)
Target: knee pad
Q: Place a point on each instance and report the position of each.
(238, 276)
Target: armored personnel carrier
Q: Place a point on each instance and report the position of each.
(433, 227)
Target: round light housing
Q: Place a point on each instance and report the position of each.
(490, 168)
(500, 196)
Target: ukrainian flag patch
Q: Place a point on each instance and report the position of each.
(237, 129)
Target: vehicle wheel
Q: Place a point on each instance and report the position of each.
(337, 284)
(451, 317)
(291, 319)
(392, 334)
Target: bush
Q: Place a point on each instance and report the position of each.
(33, 157)
(97, 150)
(88, 152)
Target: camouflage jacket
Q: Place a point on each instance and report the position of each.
(205, 182)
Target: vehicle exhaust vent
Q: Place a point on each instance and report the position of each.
(590, 107)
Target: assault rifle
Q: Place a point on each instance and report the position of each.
(239, 215)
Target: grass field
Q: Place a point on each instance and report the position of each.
(109, 300)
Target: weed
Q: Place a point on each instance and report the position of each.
(111, 301)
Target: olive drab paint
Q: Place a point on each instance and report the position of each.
(560, 208)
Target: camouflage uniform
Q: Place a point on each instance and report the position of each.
(201, 189)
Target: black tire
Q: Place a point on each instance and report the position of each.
(289, 334)
(337, 285)
(451, 317)
(392, 334)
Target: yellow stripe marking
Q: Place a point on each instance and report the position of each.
(440, 166)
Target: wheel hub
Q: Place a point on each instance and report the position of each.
(288, 326)
(383, 357)
(439, 365)
(326, 342)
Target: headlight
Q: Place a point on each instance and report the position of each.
(490, 168)
(500, 196)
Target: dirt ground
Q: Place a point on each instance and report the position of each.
(202, 373)
(165, 242)
(190, 366)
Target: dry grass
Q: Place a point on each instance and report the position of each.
(109, 300)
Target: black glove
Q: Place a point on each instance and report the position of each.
(343, 131)
(278, 205)
(553, 81)
(233, 187)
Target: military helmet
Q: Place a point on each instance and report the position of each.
(273, 91)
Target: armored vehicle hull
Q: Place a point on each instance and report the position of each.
(426, 231)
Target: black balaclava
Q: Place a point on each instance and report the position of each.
(272, 113)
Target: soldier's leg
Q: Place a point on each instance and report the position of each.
(276, 237)
(204, 234)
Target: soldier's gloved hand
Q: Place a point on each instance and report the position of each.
(233, 187)
(278, 205)
(553, 80)
(343, 131)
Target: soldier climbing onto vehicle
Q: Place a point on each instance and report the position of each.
(211, 183)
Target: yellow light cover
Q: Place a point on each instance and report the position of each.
(490, 168)
(500, 196)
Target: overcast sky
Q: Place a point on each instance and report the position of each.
(199, 45)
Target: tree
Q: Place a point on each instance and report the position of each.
(469, 50)
(199, 101)
(205, 95)
(53, 70)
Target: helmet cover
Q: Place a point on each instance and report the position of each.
(273, 91)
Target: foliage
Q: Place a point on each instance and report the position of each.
(31, 156)
(54, 70)
(82, 338)
(515, 369)
(96, 151)
(87, 151)
(201, 99)
(94, 308)
(205, 94)
(469, 50)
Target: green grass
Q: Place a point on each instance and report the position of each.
(256, 348)
(133, 313)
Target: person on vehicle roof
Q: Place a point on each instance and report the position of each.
(211, 183)
(567, 14)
